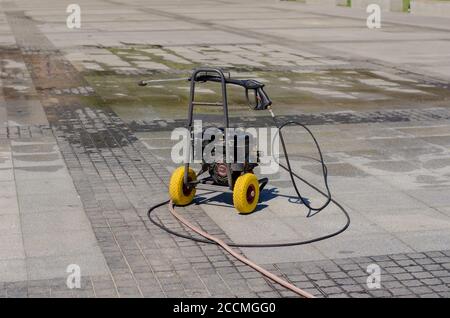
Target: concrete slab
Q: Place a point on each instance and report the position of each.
(398, 52)
(32, 141)
(429, 131)
(325, 223)
(375, 202)
(411, 221)
(34, 148)
(432, 197)
(10, 224)
(445, 210)
(350, 185)
(392, 167)
(55, 186)
(430, 8)
(418, 180)
(40, 244)
(8, 205)
(7, 188)
(39, 173)
(257, 231)
(347, 245)
(37, 203)
(25, 112)
(11, 247)
(426, 240)
(35, 160)
(58, 221)
(13, 270)
(5, 160)
(39, 268)
(153, 38)
(283, 254)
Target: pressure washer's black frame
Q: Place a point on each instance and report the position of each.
(204, 75)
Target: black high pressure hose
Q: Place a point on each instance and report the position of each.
(292, 175)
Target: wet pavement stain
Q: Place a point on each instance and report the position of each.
(291, 93)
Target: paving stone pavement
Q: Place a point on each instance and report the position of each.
(117, 177)
(114, 174)
(342, 117)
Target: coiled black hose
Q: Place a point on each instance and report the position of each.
(292, 175)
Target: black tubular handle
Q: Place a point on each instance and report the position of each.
(262, 101)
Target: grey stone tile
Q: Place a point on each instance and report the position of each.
(352, 288)
(412, 283)
(420, 290)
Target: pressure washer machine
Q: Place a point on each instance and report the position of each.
(222, 175)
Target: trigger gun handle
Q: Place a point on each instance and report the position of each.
(262, 101)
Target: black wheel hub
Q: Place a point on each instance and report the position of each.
(251, 194)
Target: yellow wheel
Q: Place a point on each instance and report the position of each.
(178, 191)
(246, 193)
